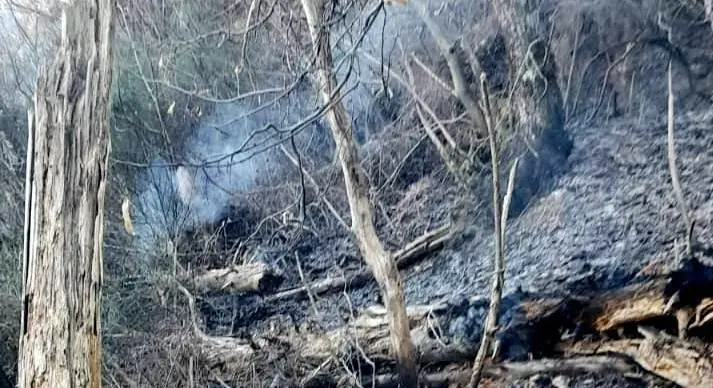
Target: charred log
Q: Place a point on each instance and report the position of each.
(404, 258)
(239, 279)
(595, 324)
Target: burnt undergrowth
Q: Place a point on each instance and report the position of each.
(590, 229)
(590, 224)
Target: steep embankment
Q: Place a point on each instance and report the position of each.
(610, 215)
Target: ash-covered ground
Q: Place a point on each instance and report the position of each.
(611, 214)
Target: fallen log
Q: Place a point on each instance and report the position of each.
(368, 336)
(426, 243)
(684, 296)
(533, 326)
(247, 278)
(688, 363)
(405, 257)
(681, 294)
(222, 355)
(635, 303)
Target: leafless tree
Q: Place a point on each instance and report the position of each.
(357, 187)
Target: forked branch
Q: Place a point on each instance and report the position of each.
(500, 214)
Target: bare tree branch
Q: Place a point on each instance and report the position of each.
(500, 214)
(460, 86)
(673, 170)
(372, 250)
(313, 182)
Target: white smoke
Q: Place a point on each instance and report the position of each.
(212, 172)
(185, 185)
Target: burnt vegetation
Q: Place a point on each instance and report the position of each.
(304, 193)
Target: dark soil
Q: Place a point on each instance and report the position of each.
(594, 227)
(611, 214)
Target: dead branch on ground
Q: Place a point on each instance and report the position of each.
(245, 278)
(404, 258)
(223, 355)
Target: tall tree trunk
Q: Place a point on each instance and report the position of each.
(68, 154)
(536, 106)
(357, 186)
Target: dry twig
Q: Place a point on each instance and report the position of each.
(500, 214)
(673, 170)
(313, 182)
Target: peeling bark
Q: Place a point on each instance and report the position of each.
(68, 154)
(687, 363)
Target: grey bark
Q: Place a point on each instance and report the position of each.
(536, 106)
(60, 340)
(379, 260)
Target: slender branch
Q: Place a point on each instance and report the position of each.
(246, 29)
(239, 97)
(500, 215)
(401, 164)
(572, 63)
(409, 85)
(460, 85)
(151, 91)
(673, 170)
(310, 295)
(313, 182)
(231, 158)
(459, 168)
(617, 61)
(432, 74)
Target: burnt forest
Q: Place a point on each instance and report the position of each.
(356, 193)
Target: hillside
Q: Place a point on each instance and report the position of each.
(608, 222)
(300, 194)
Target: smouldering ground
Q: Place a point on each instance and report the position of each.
(612, 213)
